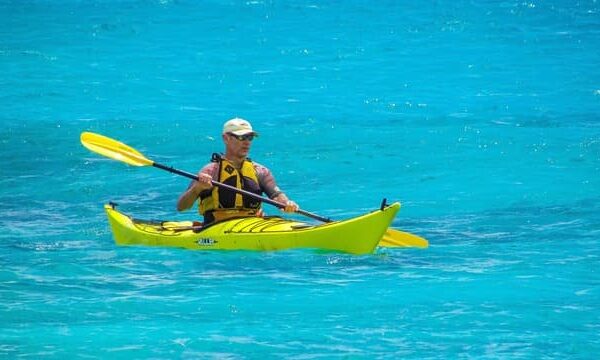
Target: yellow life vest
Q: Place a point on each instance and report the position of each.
(219, 203)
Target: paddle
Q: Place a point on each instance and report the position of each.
(118, 151)
(397, 238)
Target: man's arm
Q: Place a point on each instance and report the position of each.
(188, 197)
(269, 187)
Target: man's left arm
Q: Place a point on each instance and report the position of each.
(269, 187)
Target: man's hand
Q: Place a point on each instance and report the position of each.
(204, 182)
(291, 207)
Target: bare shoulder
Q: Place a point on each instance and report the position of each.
(260, 169)
(210, 168)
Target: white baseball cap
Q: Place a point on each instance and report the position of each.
(238, 126)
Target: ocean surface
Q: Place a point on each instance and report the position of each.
(481, 117)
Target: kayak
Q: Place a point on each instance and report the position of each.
(358, 235)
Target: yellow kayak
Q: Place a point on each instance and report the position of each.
(358, 235)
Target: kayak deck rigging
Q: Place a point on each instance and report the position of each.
(237, 225)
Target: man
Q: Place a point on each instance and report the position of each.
(235, 169)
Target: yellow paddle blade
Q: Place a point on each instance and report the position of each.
(397, 238)
(114, 149)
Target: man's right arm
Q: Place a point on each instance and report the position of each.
(189, 196)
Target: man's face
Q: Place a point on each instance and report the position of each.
(238, 145)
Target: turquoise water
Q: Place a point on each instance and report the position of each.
(482, 118)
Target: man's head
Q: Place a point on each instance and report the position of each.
(238, 126)
(238, 135)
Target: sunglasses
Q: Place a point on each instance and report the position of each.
(244, 137)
